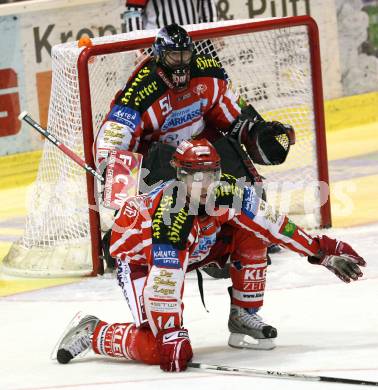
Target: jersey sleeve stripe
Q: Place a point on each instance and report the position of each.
(274, 237)
(145, 243)
(226, 111)
(146, 224)
(153, 118)
(216, 90)
(127, 234)
(232, 99)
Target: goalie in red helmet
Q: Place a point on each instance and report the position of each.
(160, 236)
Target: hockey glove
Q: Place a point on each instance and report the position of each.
(175, 349)
(267, 143)
(339, 258)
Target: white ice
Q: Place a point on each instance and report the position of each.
(325, 328)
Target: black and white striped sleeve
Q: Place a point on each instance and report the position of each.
(133, 19)
(159, 13)
(207, 11)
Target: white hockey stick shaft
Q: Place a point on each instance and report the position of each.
(281, 375)
(68, 152)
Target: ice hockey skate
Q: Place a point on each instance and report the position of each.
(77, 338)
(248, 330)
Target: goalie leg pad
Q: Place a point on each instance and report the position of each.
(132, 278)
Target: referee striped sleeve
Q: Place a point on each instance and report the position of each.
(133, 19)
(208, 11)
(159, 13)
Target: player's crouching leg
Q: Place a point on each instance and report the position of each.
(248, 275)
(114, 340)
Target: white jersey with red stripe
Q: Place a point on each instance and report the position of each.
(148, 108)
(156, 230)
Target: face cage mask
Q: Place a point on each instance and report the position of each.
(177, 59)
(177, 63)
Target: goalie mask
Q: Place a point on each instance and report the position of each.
(173, 50)
(198, 165)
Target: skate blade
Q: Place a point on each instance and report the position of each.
(74, 322)
(242, 341)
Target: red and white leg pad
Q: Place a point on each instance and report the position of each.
(132, 278)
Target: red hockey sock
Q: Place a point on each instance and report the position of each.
(127, 341)
(248, 270)
(248, 284)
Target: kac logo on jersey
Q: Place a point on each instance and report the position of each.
(125, 115)
(165, 255)
(200, 89)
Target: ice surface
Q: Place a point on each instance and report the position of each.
(325, 327)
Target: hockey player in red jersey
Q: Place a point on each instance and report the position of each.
(178, 95)
(160, 236)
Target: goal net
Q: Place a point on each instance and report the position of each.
(272, 64)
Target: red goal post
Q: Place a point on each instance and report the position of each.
(273, 63)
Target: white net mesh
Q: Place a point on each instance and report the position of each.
(270, 69)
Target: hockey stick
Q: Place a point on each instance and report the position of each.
(28, 119)
(281, 375)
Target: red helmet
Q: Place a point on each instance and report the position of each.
(196, 155)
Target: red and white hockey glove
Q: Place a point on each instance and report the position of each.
(340, 258)
(175, 349)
